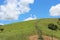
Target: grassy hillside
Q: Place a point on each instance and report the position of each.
(22, 30)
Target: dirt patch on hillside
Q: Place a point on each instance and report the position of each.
(49, 38)
(35, 37)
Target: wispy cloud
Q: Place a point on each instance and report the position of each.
(31, 18)
(55, 10)
(14, 8)
(1, 24)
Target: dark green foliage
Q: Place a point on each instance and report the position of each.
(52, 26)
(58, 22)
(1, 29)
(59, 19)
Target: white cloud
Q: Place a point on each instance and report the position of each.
(55, 10)
(1, 24)
(31, 18)
(13, 8)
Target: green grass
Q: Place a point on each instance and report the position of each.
(43, 25)
(22, 30)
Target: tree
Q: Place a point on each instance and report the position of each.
(59, 19)
(52, 26)
(58, 22)
(1, 29)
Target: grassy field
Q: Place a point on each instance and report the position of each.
(22, 30)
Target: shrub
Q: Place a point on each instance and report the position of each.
(52, 26)
(59, 19)
(58, 22)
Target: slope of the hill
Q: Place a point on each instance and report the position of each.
(22, 30)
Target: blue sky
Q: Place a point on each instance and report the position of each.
(40, 8)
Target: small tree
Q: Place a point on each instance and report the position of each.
(52, 26)
(1, 29)
(59, 19)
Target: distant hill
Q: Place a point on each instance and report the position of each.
(22, 30)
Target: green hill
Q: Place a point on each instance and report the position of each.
(22, 30)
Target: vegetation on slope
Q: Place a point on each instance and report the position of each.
(22, 30)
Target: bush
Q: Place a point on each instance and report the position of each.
(52, 26)
(1, 29)
(58, 21)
